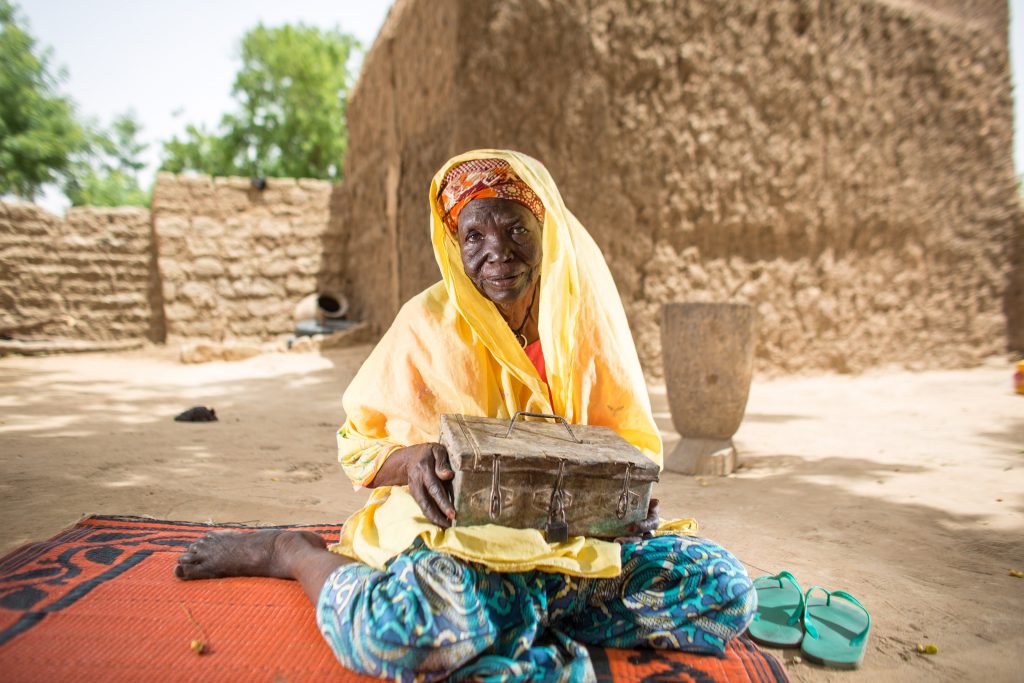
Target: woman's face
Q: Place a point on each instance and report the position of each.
(501, 247)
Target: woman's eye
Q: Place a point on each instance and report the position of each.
(473, 237)
(517, 230)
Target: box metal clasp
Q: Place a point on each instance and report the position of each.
(623, 506)
(557, 530)
(495, 507)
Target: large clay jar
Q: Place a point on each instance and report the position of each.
(708, 353)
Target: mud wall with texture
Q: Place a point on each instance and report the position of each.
(234, 260)
(843, 165)
(403, 109)
(87, 276)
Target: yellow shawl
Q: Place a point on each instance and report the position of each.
(450, 351)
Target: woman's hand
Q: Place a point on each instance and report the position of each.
(429, 470)
(425, 468)
(642, 530)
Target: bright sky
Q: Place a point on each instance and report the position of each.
(173, 62)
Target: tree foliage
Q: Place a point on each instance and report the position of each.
(38, 131)
(107, 172)
(291, 92)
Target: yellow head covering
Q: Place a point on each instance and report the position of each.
(450, 351)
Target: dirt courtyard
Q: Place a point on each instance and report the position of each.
(905, 489)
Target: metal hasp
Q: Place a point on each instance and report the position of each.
(620, 509)
(557, 530)
(495, 489)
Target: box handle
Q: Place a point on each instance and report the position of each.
(521, 413)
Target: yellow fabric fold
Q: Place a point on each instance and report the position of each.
(450, 351)
(500, 548)
(509, 550)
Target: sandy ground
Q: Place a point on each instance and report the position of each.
(905, 489)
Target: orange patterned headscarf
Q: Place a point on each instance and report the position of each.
(483, 178)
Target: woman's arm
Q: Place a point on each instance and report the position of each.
(371, 462)
(425, 468)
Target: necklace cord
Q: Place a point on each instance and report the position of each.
(518, 332)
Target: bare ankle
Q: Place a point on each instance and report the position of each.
(294, 546)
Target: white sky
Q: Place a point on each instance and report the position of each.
(173, 61)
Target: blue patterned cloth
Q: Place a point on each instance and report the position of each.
(432, 617)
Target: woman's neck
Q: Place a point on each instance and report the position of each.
(521, 314)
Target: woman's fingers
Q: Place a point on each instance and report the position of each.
(438, 490)
(420, 490)
(428, 488)
(439, 497)
(442, 466)
(653, 518)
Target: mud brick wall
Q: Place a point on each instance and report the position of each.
(843, 165)
(401, 119)
(87, 276)
(234, 260)
(1014, 301)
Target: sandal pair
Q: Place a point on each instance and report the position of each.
(830, 632)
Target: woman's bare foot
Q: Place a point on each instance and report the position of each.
(246, 553)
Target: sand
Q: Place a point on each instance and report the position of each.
(905, 489)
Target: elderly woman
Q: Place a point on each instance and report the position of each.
(526, 317)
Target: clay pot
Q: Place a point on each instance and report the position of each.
(708, 352)
(321, 306)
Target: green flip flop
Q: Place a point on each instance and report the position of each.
(837, 631)
(780, 606)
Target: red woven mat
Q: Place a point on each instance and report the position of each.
(99, 601)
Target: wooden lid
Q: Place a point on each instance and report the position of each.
(473, 442)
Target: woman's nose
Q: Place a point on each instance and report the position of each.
(499, 250)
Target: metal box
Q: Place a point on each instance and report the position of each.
(578, 480)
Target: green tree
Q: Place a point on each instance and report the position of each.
(38, 131)
(106, 173)
(199, 150)
(291, 93)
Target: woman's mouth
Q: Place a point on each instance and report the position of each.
(505, 282)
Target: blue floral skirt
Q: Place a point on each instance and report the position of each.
(431, 617)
